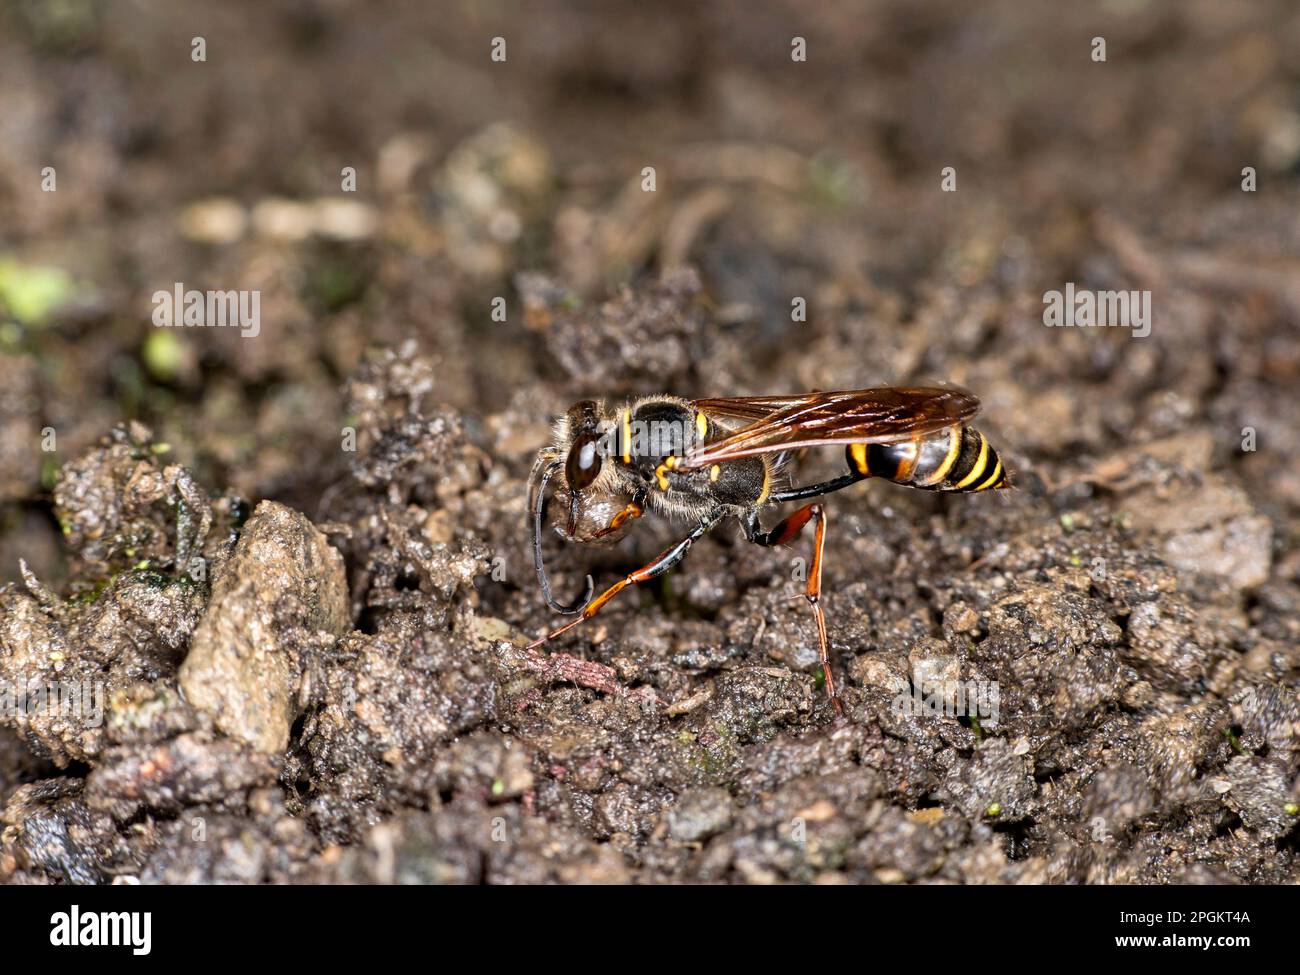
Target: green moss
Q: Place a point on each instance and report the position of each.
(50, 474)
(335, 285)
(1234, 741)
(87, 597)
(31, 294)
(162, 354)
(834, 183)
(151, 577)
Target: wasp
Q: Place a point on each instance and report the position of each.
(707, 460)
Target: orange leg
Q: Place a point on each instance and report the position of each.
(786, 531)
(631, 510)
(660, 564)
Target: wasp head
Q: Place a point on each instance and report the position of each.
(589, 497)
(588, 491)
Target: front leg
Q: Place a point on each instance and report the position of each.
(632, 510)
(657, 566)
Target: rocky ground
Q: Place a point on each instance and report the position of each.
(295, 569)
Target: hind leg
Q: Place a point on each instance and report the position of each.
(785, 531)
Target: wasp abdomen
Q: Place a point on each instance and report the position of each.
(956, 459)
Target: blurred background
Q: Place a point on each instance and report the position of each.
(775, 180)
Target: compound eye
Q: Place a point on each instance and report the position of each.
(583, 465)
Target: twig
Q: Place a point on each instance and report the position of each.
(554, 667)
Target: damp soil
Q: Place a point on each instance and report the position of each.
(293, 568)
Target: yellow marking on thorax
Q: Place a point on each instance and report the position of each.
(767, 487)
(955, 437)
(668, 464)
(701, 425)
(715, 472)
(978, 469)
(627, 436)
(858, 452)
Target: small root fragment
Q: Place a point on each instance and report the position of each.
(554, 667)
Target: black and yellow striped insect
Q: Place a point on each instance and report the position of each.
(709, 459)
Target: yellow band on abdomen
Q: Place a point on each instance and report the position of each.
(858, 452)
(978, 468)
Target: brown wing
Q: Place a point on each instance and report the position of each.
(884, 414)
(744, 410)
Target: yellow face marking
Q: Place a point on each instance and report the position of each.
(954, 448)
(701, 425)
(858, 452)
(714, 473)
(992, 478)
(627, 436)
(978, 469)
